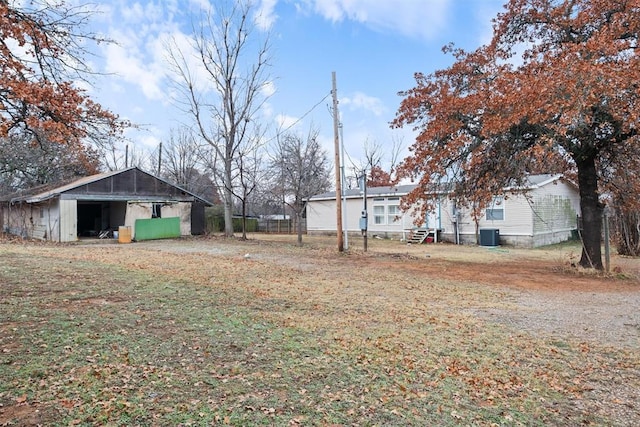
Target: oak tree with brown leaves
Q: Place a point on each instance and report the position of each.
(556, 89)
(378, 177)
(42, 48)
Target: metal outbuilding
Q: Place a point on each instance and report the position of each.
(99, 204)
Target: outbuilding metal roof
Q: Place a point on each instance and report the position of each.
(38, 194)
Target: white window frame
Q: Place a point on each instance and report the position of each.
(393, 213)
(495, 211)
(379, 215)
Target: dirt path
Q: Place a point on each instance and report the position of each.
(536, 291)
(540, 293)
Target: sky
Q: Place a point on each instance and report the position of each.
(373, 46)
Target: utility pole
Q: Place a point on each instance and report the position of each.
(345, 218)
(336, 139)
(159, 158)
(364, 218)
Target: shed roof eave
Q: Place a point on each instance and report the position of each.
(69, 187)
(126, 198)
(104, 198)
(37, 199)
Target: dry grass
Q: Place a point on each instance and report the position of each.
(215, 331)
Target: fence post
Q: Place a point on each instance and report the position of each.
(607, 248)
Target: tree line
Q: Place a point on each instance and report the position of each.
(51, 131)
(554, 91)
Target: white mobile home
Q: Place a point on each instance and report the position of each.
(383, 209)
(546, 214)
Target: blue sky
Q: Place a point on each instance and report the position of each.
(374, 46)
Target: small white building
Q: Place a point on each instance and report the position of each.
(546, 214)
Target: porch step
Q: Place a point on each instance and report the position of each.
(418, 236)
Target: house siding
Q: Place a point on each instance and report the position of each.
(321, 217)
(182, 211)
(144, 210)
(19, 219)
(136, 210)
(545, 215)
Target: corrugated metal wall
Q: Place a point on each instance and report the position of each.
(68, 226)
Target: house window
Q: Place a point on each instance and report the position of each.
(156, 210)
(393, 212)
(378, 215)
(495, 211)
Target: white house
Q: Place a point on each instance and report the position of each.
(546, 214)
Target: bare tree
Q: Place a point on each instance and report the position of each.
(250, 172)
(235, 64)
(304, 167)
(24, 164)
(397, 145)
(179, 160)
(374, 155)
(179, 156)
(117, 159)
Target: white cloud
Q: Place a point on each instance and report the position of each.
(202, 4)
(266, 110)
(265, 15)
(149, 141)
(133, 12)
(284, 121)
(128, 63)
(362, 101)
(143, 31)
(182, 47)
(268, 89)
(412, 18)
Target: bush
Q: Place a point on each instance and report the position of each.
(214, 218)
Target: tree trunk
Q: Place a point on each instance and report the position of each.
(299, 226)
(627, 232)
(228, 200)
(244, 218)
(591, 214)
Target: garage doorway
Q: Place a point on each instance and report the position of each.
(97, 217)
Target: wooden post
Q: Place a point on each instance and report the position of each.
(336, 139)
(607, 248)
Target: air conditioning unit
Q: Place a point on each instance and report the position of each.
(489, 237)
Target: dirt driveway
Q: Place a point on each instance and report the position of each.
(537, 291)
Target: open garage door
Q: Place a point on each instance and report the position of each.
(95, 217)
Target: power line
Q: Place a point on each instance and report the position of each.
(299, 119)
